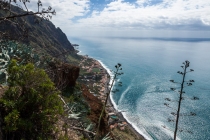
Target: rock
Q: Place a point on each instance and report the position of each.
(64, 74)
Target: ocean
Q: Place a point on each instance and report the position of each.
(148, 65)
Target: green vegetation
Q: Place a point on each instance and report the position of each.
(11, 50)
(73, 96)
(97, 70)
(72, 59)
(31, 105)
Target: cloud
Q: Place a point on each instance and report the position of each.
(80, 16)
(165, 14)
(141, 3)
(66, 10)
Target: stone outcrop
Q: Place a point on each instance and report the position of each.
(63, 75)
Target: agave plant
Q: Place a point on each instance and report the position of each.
(11, 50)
(107, 137)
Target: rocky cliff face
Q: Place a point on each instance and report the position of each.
(45, 38)
(40, 33)
(63, 75)
(45, 35)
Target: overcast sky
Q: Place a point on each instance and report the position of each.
(132, 17)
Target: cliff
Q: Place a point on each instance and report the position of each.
(36, 32)
(46, 39)
(64, 75)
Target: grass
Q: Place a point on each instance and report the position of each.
(97, 70)
(73, 59)
(82, 71)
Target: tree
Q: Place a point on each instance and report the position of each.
(116, 74)
(30, 107)
(183, 84)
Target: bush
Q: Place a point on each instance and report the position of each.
(31, 105)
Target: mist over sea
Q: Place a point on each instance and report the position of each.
(148, 65)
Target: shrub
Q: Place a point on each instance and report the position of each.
(31, 105)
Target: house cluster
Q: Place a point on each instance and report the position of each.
(96, 78)
(115, 122)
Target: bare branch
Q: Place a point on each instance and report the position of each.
(27, 14)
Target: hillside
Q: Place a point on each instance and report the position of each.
(37, 32)
(47, 40)
(80, 79)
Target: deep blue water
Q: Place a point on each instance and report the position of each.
(148, 65)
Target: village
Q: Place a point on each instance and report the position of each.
(93, 75)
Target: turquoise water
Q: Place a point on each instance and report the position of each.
(148, 65)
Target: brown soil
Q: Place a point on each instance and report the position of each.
(63, 131)
(96, 107)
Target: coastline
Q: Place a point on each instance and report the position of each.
(113, 109)
(105, 82)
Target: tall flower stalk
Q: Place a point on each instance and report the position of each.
(181, 92)
(117, 72)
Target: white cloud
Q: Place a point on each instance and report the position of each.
(65, 9)
(167, 13)
(140, 15)
(142, 2)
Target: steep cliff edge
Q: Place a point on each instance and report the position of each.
(45, 38)
(64, 75)
(40, 33)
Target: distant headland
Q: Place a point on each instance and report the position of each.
(74, 45)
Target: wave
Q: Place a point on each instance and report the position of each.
(148, 83)
(123, 94)
(145, 132)
(111, 79)
(141, 132)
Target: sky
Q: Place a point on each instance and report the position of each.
(158, 18)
